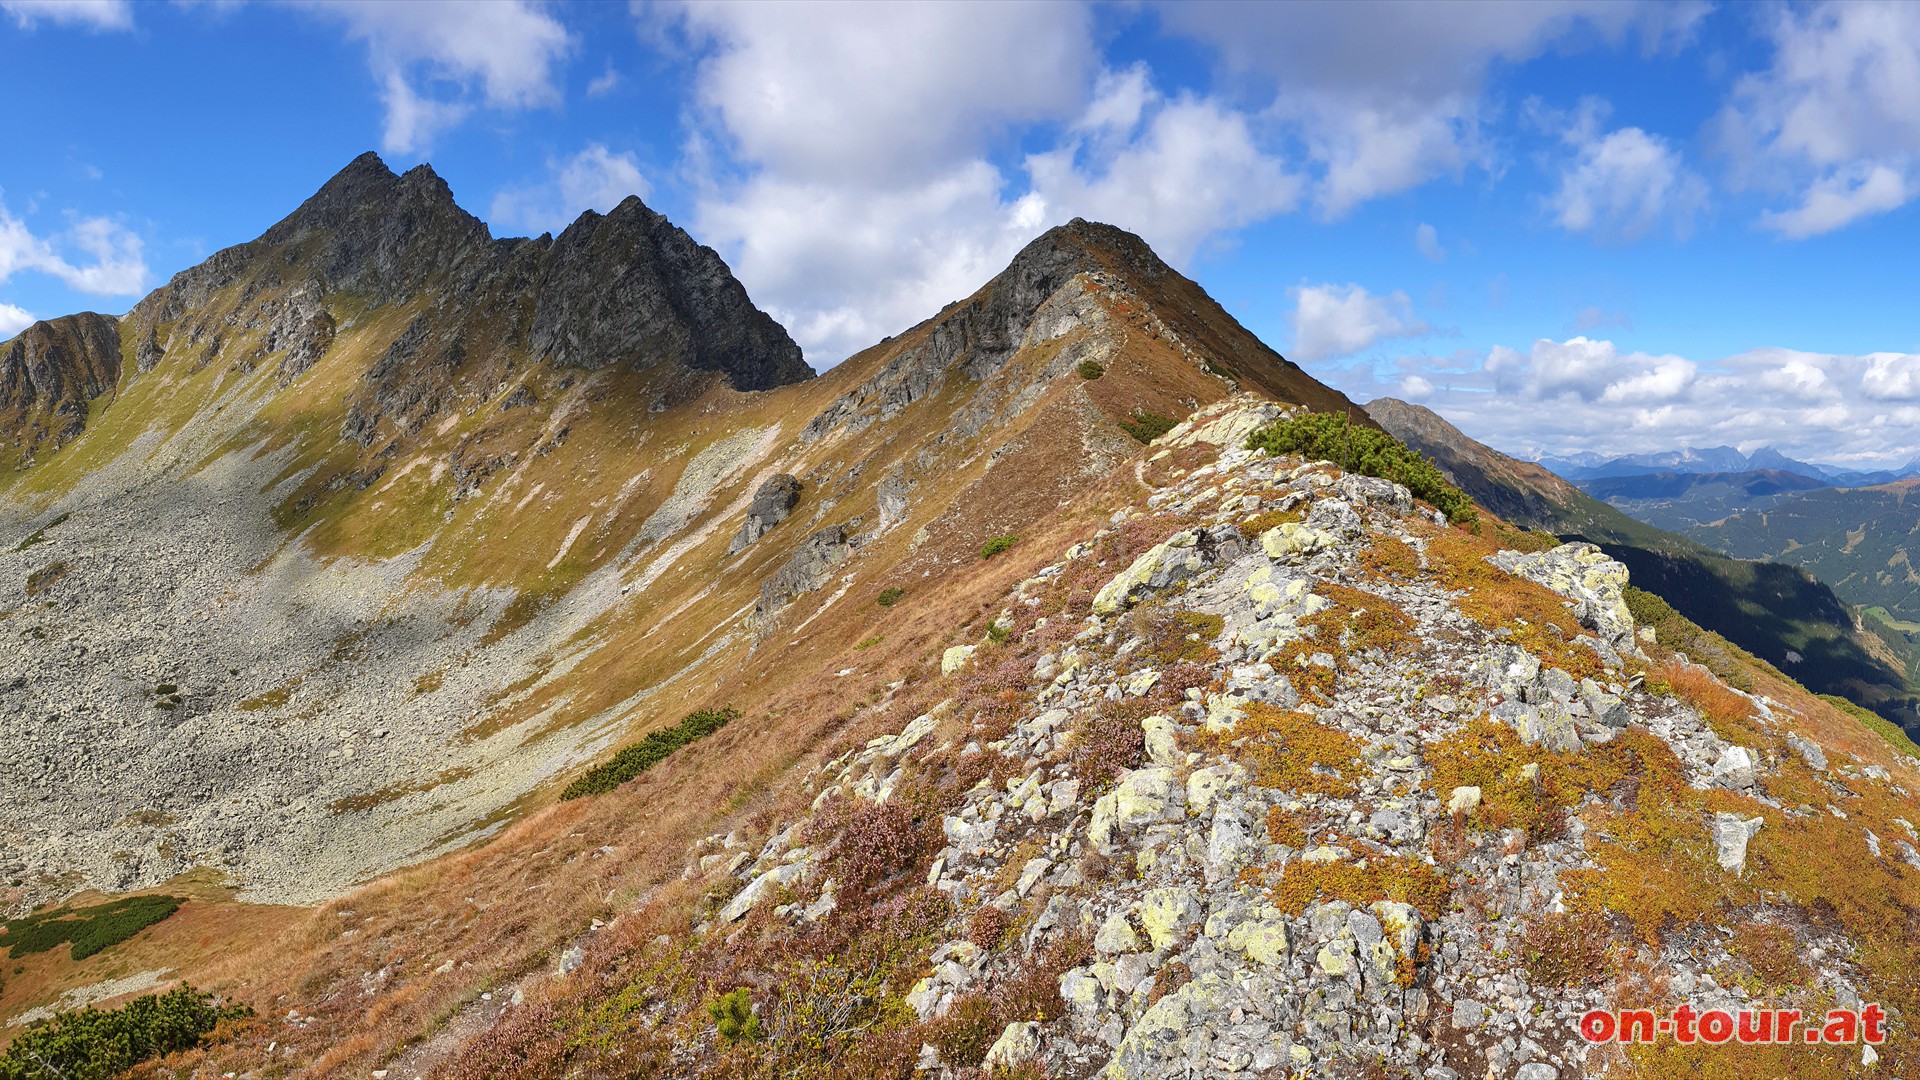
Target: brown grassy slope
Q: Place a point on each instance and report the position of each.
(509, 904)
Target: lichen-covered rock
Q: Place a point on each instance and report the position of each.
(956, 658)
(1116, 935)
(1226, 423)
(1585, 575)
(1546, 725)
(1167, 914)
(1163, 741)
(1143, 797)
(1017, 1044)
(1607, 709)
(1292, 540)
(1157, 1044)
(1180, 557)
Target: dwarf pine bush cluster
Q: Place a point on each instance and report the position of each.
(1147, 426)
(650, 751)
(1332, 437)
(87, 1044)
(88, 930)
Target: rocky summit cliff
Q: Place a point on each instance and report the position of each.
(511, 663)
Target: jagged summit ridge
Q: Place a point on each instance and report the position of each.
(627, 288)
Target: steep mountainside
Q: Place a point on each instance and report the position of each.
(1256, 769)
(50, 375)
(1780, 613)
(1858, 540)
(955, 727)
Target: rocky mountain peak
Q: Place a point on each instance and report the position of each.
(383, 234)
(49, 372)
(632, 286)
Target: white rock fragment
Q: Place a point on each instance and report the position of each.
(1731, 833)
(1736, 769)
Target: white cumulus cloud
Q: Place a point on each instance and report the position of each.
(436, 62)
(1836, 115)
(1333, 321)
(596, 178)
(1388, 96)
(1190, 171)
(116, 265)
(1624, 184)
(1839, 198)
(1586, 394)
(854, 164)
(1891, 377)
(13, 319)
(879, 93)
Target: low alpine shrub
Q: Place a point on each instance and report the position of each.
(87, 1044)
(648, 752)
(1368, 451)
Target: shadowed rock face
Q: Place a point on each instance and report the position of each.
(772, 502)
(632, 286)
(50, 371)
(988, 327)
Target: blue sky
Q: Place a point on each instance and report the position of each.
(1565, 226)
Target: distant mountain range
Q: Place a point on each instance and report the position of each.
(1584, 467)
(1851, 529)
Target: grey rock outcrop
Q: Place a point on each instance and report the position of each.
(625, 288)
(1731, 834)
(810, 567)
(1585, 575)
(772, 502)
(632, 287)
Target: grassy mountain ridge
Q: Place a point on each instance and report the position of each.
(951, 923)
(1776, 611)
